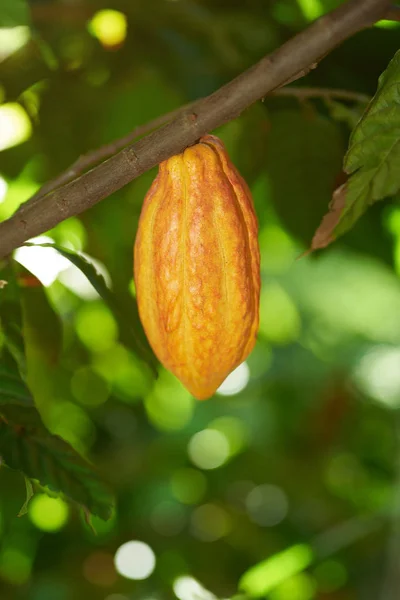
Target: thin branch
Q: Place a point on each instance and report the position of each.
(303, 93)
(393, 14)
(287, 62)
(93, 157)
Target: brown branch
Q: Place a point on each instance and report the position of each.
(303, 93)
(227, 103)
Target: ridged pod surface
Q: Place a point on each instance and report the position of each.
(197, 267)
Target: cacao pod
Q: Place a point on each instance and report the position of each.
(197, 267)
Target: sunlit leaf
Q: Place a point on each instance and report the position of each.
(27, 446)
(372, 160)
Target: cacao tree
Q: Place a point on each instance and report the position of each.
(158, 162)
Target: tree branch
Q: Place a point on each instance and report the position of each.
(285, 64)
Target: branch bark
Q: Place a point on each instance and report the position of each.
(287, 63)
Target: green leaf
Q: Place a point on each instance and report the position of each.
(13, 13)
(11, 316)
(42, 333)
(27, 446)
(304, 159)
(42, 327)
(12, 388)
(128, 335)
(372, 160)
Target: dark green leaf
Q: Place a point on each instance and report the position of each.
(42, 327)
(12, 388)
(11, 317)
(372, 160)
(305, 154)
(27, 446)
(13, 13)
(250, 151)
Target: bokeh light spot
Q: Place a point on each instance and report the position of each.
(12, 39)
(45, 263)
(109, 27)
(15, 125)
(188, 588)
(208, 449)
(234, 430)
(3, 189)
(311, 9)
(378, 375)
(135, 560)
(236, 381)
(48, 514)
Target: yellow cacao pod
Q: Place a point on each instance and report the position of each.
(197, 267)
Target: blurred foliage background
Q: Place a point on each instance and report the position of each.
(285, 484)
